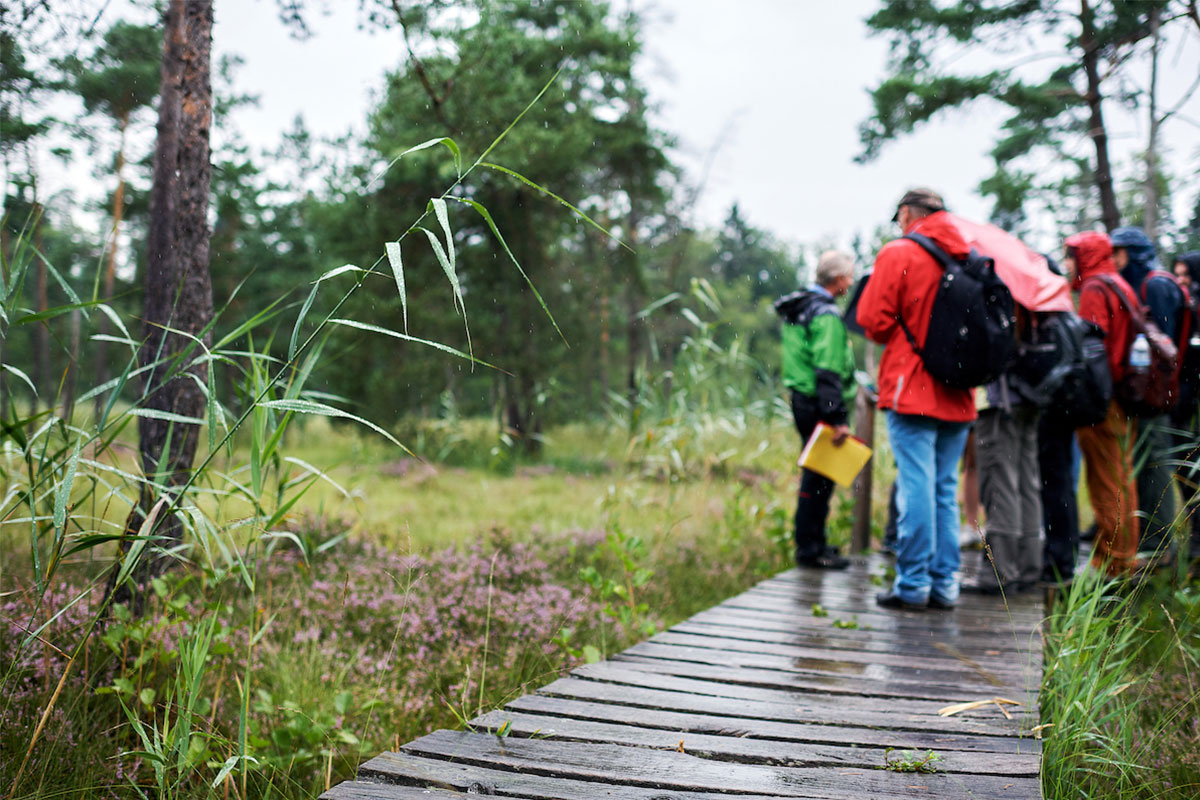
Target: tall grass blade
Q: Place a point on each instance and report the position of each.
(366, 326)
(322, 410)
(443, 140)
(574, 210)
(487, 218)
(396, 262)
(308, 301)
(14, 371)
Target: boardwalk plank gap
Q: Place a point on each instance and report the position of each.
(797, 687)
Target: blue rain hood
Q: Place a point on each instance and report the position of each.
(1142, 257)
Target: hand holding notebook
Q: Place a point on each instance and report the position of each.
(839, 463)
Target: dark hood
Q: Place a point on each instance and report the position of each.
(1142, 258)
(798, 308)
(1093, 255)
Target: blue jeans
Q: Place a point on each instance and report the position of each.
(927, 453)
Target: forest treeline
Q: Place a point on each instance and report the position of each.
(614, 312)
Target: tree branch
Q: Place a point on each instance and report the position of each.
(422, 75)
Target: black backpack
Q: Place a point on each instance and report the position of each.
(970, 338)
(1063, 369)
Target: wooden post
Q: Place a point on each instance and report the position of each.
(864, 428)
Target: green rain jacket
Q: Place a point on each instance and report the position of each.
(818, 360)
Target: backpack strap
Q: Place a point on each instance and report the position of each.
(1186, 311)
(1136, 314)
(1138, 317)
(939, 255)
(931, 247)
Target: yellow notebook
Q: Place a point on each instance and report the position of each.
(841, 464)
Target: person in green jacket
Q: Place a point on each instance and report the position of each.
(818, 368)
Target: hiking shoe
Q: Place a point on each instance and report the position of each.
(890, 599)
(830, 559)
(938, 604)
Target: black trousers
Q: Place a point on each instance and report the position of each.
(1060, 511)
(812, 507)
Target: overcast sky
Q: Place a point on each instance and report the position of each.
(771, 90)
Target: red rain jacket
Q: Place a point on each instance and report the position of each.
(904, 283)
(1097, 303)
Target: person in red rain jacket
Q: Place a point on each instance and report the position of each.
(1108, 445)
(927, 420)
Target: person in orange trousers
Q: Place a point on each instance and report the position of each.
(1108, 445)
(1108, 452)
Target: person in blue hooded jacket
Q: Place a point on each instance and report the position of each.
(1135, 257)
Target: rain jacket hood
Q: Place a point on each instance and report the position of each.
(1142, 257)
(1097, 303)
(1093, 255)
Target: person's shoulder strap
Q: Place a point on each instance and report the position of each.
(1115, 288)
(931, 247)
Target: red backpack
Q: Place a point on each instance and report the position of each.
(1150, 385)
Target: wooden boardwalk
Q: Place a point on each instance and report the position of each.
(795, 688)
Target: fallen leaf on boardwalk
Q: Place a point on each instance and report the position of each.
(957, 708)
(680, 747)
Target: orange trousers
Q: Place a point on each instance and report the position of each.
(1108, 454)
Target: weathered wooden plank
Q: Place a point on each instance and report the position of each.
(884, 620)
(995, 670)
(750, 621)
(862, 641)
(469, 778)
(370, 790)
(738, 749)
(636, 766)
(550, 706)
(791, 708)
(858, 675)
(807, 682)
(979, 607)
(624, 674)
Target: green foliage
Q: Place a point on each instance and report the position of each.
(619, 589)
(910, 761)
(932, 68)
(1123, 730)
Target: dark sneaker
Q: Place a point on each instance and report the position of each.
(939, 604)
(890, 599)
(830, 559)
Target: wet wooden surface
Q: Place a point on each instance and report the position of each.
(799, 687)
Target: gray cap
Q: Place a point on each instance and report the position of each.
(927, 199)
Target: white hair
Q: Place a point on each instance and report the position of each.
(832, 265)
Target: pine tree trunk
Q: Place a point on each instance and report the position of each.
(178, 287)
(1150, 186)
(1110, 215)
